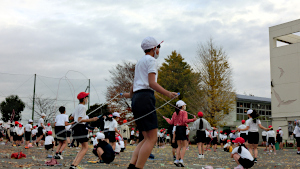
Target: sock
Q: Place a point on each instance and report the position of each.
(131, 166)
(56, 153)
(59, 153)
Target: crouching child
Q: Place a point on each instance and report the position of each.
(241, 155)
(103, 150)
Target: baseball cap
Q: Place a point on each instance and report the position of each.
(249, 111)
(49, 133)
(48, 124)
(34, 127)
(228, 141)
(124, 121)
(149, 43)
(82, 95)
(116, 114)
(239, 140)
(243, 121)
(100, 136)
(132, 128)
(30, 120)
(43, 115)
(200, 114)
(221, 131)
(279, 128)
(180, 103)
(270, 126)
(16, 122)
(20, 125)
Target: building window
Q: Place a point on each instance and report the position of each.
(241, 110)
(264, 110)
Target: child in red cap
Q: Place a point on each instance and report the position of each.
(271, 140)
(49, 141)
(241, 155)
(243, 134)
(79, 129)
(125, 132)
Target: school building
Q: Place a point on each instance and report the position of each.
(285, 79)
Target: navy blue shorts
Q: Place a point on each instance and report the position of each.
(143, 102)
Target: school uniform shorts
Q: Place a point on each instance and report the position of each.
(49, 146)
(253, 137)
(106, 133)
(244, 136)
(279, 140)
(143, 102)
(264, 138)
(112, 136)
(106, 157)
(201, 136)
(271, 140)
(208, 139)
(60, 133)
(298, 141)
(80, 133)
(27, 135)
(246, 163)
(131, 137)
(180, 133)
(215, 140)
(40, 132)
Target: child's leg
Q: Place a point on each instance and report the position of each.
(174, 150)
(100, 152)
(250, 149)
(236, 157)
(81, 153)
(270, 147)
(59, 146)
(183, 149)
(179, 143)
(255, 150)
(64, 144)
(199, 148)
(150, 138)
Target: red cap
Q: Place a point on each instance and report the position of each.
(110, 115)
(137, 131)
(16, 122)
(161, 130)
(94, 135)
(270, 126)
(232, 131)
(168, 134)
(132, 128)
(124, 121)
(49, 133)
(200, 114)
(239, 140)
(48, 124)
(243, 121)
(91, 131)
(117, 138)
(82, 95)
(20, 125)
(228, 141)
(277, 131)
(34, 127)
(221, 131)
(225, 133)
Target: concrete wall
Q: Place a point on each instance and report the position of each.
(285, 71)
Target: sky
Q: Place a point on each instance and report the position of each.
(83, 40)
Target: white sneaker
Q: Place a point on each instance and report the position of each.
(176, 162)
(239, 167)
(181, 163)
(203, 156)
(199, 156)
(60, 156)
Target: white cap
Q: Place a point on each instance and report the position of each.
(100, 136)
(249, 111)
(149, 43)
(43, 114)
(180, 103)
(116, 114)
(30, 120)
(279, 128)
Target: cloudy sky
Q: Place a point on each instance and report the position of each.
(49, 38)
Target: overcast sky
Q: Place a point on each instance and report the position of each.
(51, 37)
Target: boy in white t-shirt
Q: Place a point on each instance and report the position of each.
(41, 126)
(241, 155)
(28, 128)
(33, 134)
(80, 132)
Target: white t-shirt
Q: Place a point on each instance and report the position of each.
(49, 140)
(146, 65)
(132, 132)
(242, 126)
(68, 127)
(214, 134)
(20, 130)
(95, 142)
(80, 111)
(48, 128)
(174, 129)
(264, 133)
(61, 119)
(253, 127)
(281, 133)
(227, 145)
(106, 124)
(297, 131)
(122, 145)
(168, 137)
(34, 131)
(15, 129)
(224, 137)
(28, 127)
(117, 148)
(187, 131)
(244, 154)
(271, 133)
(41, 121)
(113, 125)
(207, 133)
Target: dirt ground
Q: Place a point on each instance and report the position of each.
(36, 158)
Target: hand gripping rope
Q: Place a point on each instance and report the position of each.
(78, 137)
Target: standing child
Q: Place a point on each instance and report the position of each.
(28, 128)
(201, 125)
(297, 135)
(221, 138)
(214, 136)
(241, 155)
(208, 139)
(280, 138)
(113, 129)
(15, 134)
(107, 121)
(20, 133)
(49, 141)
(132, 136)
(264, 138)
(61, 121)
(80, 131)
(41, 126)
(33, 134)
(243, 134)
(271, 140)
(143, 101)
(125, 132)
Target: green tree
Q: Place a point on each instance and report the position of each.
(175, 75)
(11, 103)
(217, 93)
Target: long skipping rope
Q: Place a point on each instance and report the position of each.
(78, 137)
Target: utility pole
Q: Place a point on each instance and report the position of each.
(33, 97)
(90, 93)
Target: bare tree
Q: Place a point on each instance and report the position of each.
(44, 105)
(217, 96)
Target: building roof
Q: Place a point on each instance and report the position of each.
(252, 98)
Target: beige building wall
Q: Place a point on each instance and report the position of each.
(285, 73)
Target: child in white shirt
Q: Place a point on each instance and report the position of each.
(49, 141)
(271, 135)
(241, 155)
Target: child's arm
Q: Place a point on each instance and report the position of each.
(173, 139)
(155, 86)
(117, 131)
(129, 95)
